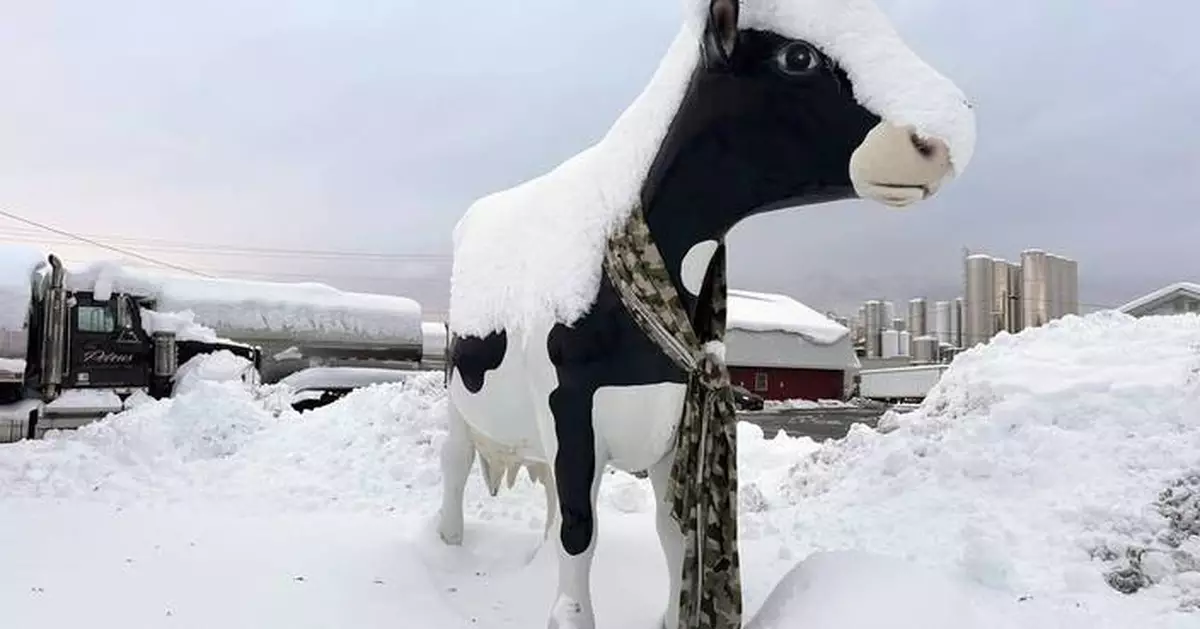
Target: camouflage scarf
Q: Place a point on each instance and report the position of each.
(703, 482)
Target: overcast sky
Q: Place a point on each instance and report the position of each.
(185, 130)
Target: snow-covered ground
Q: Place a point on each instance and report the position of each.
(799, 404)
(1021, 487)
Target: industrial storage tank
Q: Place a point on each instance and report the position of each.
(925, 350)
(917, 323)
(957, 313)
(941, 321)
(890, 341)
(1034, 297)
(977, 319)
(873, 323)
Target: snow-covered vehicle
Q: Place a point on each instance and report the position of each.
(79, 341)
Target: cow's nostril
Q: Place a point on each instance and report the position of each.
(925, 148)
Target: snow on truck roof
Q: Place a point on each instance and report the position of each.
(232, 307)
(236, 307)
(768, 312)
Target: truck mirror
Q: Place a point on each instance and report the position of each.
(124, 312)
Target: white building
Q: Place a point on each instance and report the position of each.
(1177, 298)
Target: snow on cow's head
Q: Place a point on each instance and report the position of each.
(821, 99)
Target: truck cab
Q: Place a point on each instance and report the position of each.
(78, 341)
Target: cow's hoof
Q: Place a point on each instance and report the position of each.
(450, 532)
(570, 614)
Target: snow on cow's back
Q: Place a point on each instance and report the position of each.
(531, 255)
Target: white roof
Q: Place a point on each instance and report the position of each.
(768, 312)
(1178, 287)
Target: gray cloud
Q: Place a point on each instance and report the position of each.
(371, 126)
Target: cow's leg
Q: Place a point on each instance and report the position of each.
(669, 536)
(578, 468)
(458, 454)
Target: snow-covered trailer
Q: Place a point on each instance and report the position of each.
(97, 333)
(899, 384)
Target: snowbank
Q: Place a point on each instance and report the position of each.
(801, 404)
(1045, 471)
(1034, 467)
(767, 312)
(530, 256)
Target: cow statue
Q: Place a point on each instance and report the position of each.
(757, 106)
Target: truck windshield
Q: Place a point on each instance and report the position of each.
(96, 319)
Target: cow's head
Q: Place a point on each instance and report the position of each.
(806, 101)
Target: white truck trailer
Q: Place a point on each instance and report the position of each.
(899, 384)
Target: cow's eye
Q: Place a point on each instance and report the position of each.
(797, 59)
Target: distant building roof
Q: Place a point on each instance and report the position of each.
(768, 312)
(1191, 289)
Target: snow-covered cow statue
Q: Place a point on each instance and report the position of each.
(561, 368)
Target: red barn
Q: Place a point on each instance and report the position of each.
(783, 350)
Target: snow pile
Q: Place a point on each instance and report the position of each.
(766, 312)
(183, 324)
(221, 366)
(798, 404)
(1036, 466)
(530, 256)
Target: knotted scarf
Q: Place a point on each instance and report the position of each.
(703, 481)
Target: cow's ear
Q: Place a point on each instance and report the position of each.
(721, 32)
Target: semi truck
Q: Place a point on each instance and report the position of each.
(94, 337)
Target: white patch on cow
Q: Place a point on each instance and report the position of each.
(637, 423)
(695, 265)
(501, 418)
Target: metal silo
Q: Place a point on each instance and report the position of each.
(873, 323)
(917, 314)
(1054, 286)
(1072, 292)
(925, 350)
(1034, 297)
(1001, 289)
(1012, 313)
(958, 310)
(941, 321)
(978, 322)
(890, 343)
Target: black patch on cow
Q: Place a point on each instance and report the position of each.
(473, 357)
(604, 348)
(751, 139)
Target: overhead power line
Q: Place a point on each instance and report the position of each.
(96, 243)
(228, 249)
